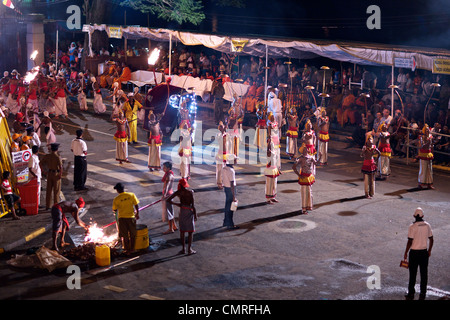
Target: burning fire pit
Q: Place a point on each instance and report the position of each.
(95, 236)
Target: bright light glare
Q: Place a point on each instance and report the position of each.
(34, 55)
(153, 56)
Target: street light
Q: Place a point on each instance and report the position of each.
(434, 85)
(310, 89)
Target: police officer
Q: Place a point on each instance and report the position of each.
(54, 164)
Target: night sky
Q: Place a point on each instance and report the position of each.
(411, 23)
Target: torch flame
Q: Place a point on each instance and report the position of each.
(95, 234)
(34, 55)
(31, 75)
(153, 56)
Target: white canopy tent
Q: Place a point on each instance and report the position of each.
(358, 53)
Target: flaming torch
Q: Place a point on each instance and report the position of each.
(152, 61)
(31, 75)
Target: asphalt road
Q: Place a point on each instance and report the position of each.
(347, 248)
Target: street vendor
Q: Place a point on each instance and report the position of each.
(60, 223)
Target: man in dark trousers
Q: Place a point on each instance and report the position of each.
(53, 162)
(419, 245)
(79, 149)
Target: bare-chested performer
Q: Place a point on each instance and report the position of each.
(292, 133)
(384, 169)
(188, 214)
(233, 135)
(154, 141)
(369, 166)
(306, 177)
(121, 137)
(222, 154)
(260, 140)
(324, 126)
(309, 139)
(185, 151)
(60, 223)
(426, 158)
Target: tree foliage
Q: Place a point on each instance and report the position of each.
(171, 10)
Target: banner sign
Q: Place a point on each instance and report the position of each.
(441, 66)
(115, 32)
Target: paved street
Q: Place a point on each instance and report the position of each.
(276, 254)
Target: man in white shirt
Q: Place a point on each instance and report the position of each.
(275, 106)
(229, 185)
(419, 245)
(79, 149)
(35, 169)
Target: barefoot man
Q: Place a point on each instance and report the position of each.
(60, 222)
(324, 125)
(154, 142)
(369, 167)
(188, 214)
(121, 137)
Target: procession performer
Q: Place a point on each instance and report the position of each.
(11, 101)
(131, 108)
(121, 137)
(426, 158)
(4, 85)
(233, 135)
(260, 140)
(384, 169)
(238, 111)
(222, 155)
(59, 101)
(292, 133)
(33, 118)
(99, 106)
(44, 90)
(185, 151)
(309, 139)
(272, 170)
(306, 178)
(154, 141)
(274, 139)
(369, 166)
(82, 92)
(50, 136)
(32, 94)
(324, 125)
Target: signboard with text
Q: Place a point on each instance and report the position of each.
(20, 165)
(441, 66)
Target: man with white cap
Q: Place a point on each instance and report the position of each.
(419, 245)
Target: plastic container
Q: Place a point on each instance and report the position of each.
(142, 241)
(29, 197)
(102, 255)
(234, 205)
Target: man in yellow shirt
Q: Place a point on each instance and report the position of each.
(127, 212)
(130, 109)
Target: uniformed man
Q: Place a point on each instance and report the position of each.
(53, 163)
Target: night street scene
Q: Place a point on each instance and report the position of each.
(225, 159)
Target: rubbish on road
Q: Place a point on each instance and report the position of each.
(44, 258)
